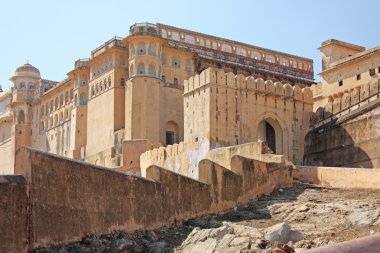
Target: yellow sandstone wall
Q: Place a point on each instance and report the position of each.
(221, 109)
(339, 177)
(77, 196)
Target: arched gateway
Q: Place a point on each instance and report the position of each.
(270, 131)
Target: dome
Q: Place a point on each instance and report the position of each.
(26, 70)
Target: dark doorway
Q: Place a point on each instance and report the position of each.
(169, 138)
(270, 136)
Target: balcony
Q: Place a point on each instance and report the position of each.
(143, 28)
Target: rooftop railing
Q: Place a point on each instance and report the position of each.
(143, 28)
(81, 63)
(114, 42)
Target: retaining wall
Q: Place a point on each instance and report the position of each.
(70, 199)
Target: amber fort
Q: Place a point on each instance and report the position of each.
(180, 122)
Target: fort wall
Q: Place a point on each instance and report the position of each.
(70, 199)
(345, 103)
(224, 109)
(340, 177)
(346, 132)
(13, 214)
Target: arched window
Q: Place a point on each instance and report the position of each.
(109, 81)
(189, 39)
(270, 58)
(42, 110)
(255, 55)
(152, 49)
(47, 108)
(141, 69)
(42, 126)
(56, 103)
(163, 59)
(66, 114)
(226, 48)
(175, 62)
(141, 48)
(51, 105)
(96, 88)
(55, 120)
(31, 86)
(284, 62)
(105, 83)
(82, 99)
(60, 117)
(122, 60)
(66, 97)
(92, 90)
(175, 36)
(133, 50)
(51, 122)
(241, 51)
(22, 86)
(152, 70)
(122, 82)
(61, 99)
(76, 100)
(21, 117)
(188, 65)
(132, 70)
(175, 81)
(101, 85)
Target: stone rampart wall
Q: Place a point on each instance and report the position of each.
(13, 214)
(349, 140)
(70, 199)
(346, 103)
(341, 177)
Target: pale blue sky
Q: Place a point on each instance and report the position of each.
(53, 34)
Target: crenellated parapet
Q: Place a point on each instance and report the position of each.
(346, 103)
(217, 77)
(166, 157)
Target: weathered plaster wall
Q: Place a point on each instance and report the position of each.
(13, 214)
(132, 151)
(184, 159)
(70, 199)
(340, 177)
(150, 108)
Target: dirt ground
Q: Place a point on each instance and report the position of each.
(322, 215)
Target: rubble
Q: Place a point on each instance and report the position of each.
(287, 221)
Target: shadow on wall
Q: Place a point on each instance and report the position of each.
(332, 145)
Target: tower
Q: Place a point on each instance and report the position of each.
(25, 87)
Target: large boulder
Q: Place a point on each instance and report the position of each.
(283, 233)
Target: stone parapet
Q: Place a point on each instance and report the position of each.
(338, 177)
(216, 77)
(63, 200)
(346, 103)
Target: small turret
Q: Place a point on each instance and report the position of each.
(25, 81)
